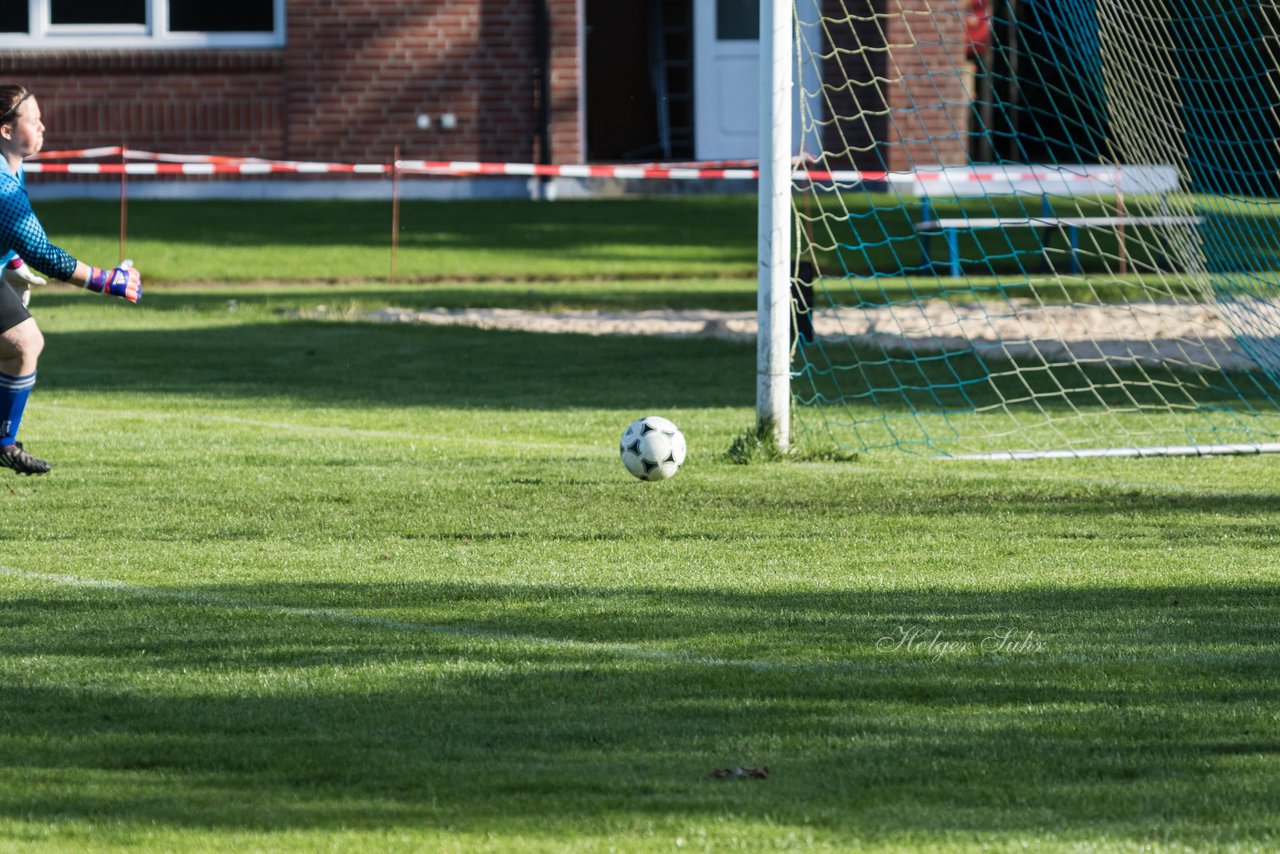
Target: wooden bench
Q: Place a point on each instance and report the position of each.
(950, 228)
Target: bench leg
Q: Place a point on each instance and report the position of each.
(1074, 234)
(953, 249)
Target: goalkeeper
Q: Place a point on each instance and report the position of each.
(22, 237)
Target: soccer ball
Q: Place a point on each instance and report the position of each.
(652, 448)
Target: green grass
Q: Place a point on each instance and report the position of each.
(181, 241)
(299, 585)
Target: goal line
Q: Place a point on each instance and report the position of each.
(203, 599)
(1154, 451)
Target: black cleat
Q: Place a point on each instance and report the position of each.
(15, 458)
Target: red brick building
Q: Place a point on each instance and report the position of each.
(348, 80)
(343, 80)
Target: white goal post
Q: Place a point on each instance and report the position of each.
(773, 346)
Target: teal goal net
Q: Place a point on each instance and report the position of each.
(1040, 227)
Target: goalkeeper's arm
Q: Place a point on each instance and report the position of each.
(123, 281)
(22, 232)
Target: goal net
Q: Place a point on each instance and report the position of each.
(1042, 226)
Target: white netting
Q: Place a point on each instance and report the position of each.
(1062, 236)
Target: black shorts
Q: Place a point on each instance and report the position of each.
(12, 311)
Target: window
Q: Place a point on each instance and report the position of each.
(737, 20)
(71, 12)
(79, 24)
(13, 16)
(228, 16)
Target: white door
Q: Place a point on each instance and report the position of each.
(726, 78)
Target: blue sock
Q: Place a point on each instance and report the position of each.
(14, 392)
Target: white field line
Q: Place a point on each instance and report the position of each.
(317, 429)
(332, 615)
(620, 650)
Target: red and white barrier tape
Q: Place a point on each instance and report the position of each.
(161, 164)
(201, 164)
(246, 168)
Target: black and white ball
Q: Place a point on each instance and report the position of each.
(652, 448)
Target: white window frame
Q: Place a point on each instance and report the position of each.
(153, 35)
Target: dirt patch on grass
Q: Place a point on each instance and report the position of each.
(1194, 336)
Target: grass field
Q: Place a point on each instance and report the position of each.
(607, 253)
(350, 241)
(309, 585)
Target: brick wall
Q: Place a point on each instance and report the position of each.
(857, 99)
(187, 102)
(929, 97)
(358, 74)
(897, 84)
(349, 86)
(568, 65)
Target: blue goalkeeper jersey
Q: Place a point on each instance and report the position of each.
(22, 234)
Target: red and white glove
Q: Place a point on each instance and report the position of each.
(123, 281)
(21, 277)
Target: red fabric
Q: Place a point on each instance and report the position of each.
(978, 23)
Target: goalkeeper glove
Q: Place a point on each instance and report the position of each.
(122, 281)
(20, 277)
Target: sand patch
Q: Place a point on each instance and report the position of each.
(1195, 336)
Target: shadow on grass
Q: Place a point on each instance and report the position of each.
(1143, 714)
(332, 363)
